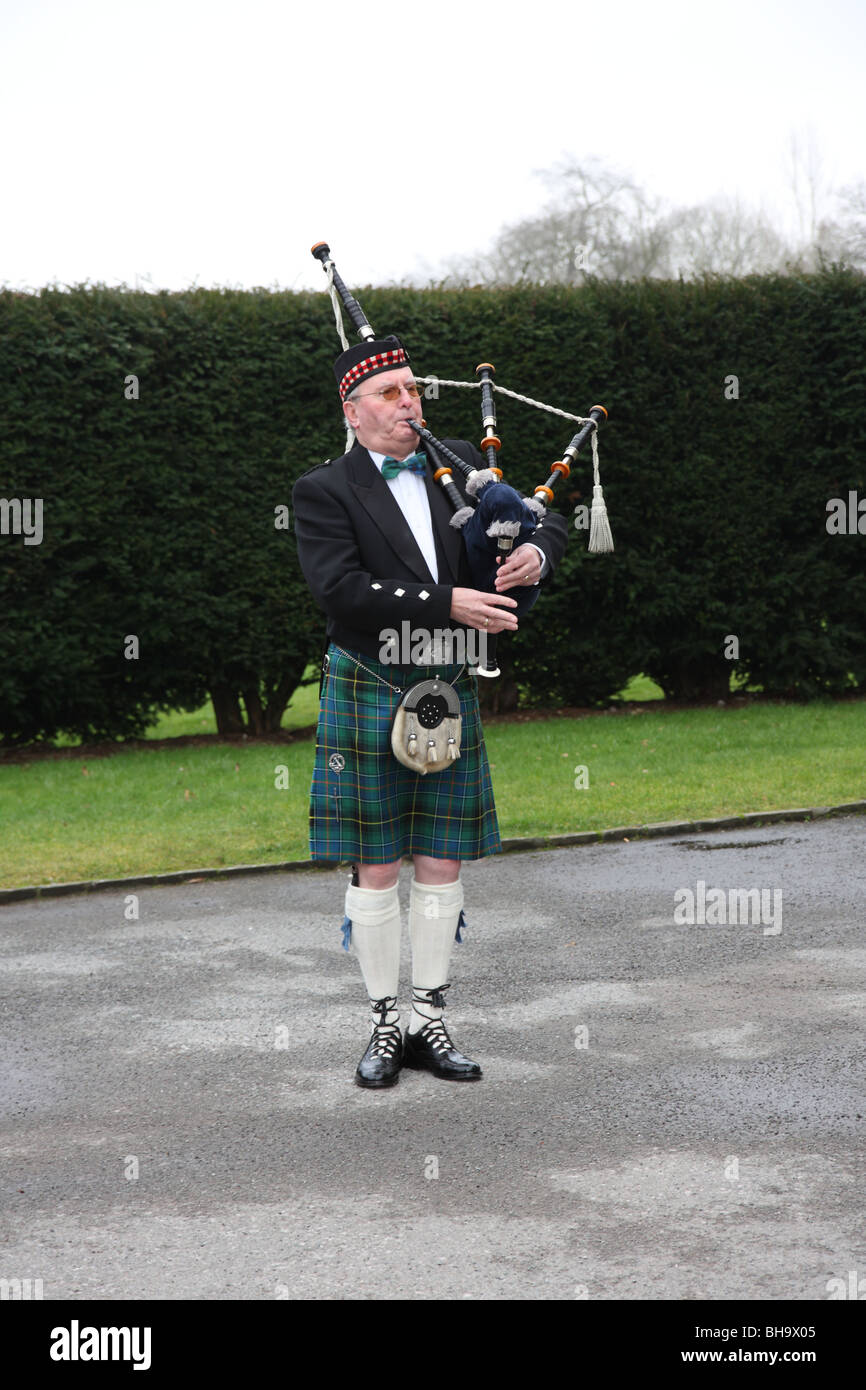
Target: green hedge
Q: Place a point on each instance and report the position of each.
(159, 511)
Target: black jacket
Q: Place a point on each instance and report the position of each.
(362, 562)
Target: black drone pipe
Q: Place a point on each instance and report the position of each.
(322, 252)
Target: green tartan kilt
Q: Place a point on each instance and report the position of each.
(365, 806)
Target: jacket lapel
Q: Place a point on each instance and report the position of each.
(449, 543)
(377, 499)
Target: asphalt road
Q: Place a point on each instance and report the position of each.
(669, 1111)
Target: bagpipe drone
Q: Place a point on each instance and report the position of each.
(496, 518)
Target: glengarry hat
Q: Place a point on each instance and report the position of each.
(367, 359)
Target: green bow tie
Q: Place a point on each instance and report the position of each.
(392, 468)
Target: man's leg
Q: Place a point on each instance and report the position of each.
(373, 908)
(435, 905)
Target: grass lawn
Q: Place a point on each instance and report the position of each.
(644, 766)
(155, 810)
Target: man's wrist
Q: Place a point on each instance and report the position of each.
(542, 557)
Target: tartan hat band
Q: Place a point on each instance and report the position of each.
(364, 360)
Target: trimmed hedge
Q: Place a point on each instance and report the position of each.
(159, 512)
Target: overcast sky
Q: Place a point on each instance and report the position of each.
(195, 141)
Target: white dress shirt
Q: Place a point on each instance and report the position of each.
(410, 495)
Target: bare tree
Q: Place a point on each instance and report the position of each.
(598, 222)
(843, 238)
(805, 171)
(725, 238)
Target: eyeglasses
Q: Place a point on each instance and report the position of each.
(392, 393)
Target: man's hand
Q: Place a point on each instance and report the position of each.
(523, 567)
(487, 612)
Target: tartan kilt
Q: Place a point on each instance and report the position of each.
(372, 809)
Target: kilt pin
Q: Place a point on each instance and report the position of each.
(366, 571)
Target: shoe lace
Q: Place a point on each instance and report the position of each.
(434, 1030)
(385, 1037)
(436, 1034)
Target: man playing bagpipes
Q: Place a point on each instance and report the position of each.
(376, 548)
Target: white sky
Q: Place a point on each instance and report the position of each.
(175, 142)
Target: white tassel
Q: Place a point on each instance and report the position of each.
(453, 751)
(600, 536)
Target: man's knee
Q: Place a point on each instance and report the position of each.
(436, 871)
(378, 876)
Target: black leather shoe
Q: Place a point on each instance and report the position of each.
(381, 1063)
(431, 1049)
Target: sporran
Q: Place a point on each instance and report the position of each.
(425, 734)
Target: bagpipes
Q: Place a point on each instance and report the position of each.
(497, 518)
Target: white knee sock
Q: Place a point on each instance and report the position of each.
(376, 930)
(434, 911)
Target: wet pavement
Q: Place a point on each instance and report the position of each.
(670, 1109)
